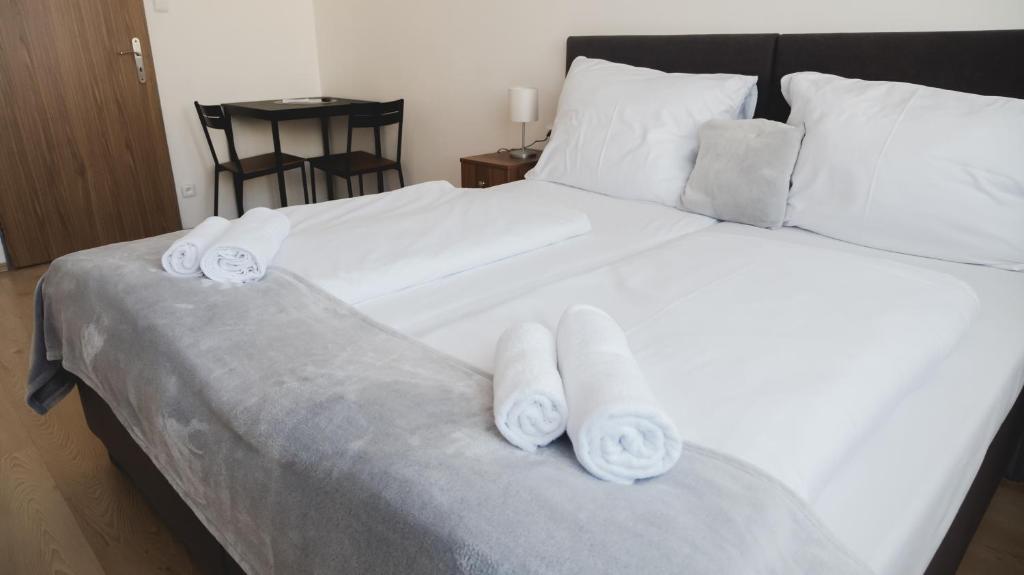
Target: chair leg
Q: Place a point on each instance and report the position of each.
(348, 182)
(401, 178)
(312, 181)
(216, 191)
(305, 190)
(284, 190)
(380, 182)
(238, 193)
(360, 184)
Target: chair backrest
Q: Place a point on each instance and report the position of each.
(215, 118)
(377, 116)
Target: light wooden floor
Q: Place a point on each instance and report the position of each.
(65, 509)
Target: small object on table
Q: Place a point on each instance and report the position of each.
(308, 100)
(488, 170)
(522, 107)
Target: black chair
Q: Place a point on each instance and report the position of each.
(242, 169)
(358, 163)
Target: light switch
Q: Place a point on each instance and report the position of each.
(161, 5)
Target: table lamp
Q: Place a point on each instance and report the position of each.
(522, 107)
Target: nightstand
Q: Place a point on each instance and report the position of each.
(488, 170)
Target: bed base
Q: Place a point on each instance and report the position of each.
(1004, 458)
(206, 552)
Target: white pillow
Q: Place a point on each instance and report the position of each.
(632, 132)
(909, 168)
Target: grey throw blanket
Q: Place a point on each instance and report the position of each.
(310, 439)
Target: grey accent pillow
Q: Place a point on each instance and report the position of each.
(743, 171)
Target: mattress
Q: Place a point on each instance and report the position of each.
(893, 499)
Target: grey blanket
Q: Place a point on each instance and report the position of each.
(310, 439)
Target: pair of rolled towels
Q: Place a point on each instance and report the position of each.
(587, 384)
(238, 251)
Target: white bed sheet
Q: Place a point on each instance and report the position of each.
(896, 496)
(712, 306)
(893, 500)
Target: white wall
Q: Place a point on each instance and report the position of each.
(453, 60)
(227, 51)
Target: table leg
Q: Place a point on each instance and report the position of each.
(325, 132)
(277, 160)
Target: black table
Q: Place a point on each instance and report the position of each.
(276, 111)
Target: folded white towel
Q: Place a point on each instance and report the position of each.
(529, 402)
(418, 234)
(617, 429)
(182, 258)
(243, 253)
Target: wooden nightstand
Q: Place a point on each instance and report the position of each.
(488, 170)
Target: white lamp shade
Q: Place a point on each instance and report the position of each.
(522, 104)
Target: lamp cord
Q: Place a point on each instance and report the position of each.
(544, 139)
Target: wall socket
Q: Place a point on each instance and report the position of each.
(188, 191)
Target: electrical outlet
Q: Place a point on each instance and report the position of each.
(188, 191)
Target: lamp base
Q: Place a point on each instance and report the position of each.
(523, 153)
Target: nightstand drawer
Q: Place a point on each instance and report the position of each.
(489, 170)
(482, 176)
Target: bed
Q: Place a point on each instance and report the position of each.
(898, 520)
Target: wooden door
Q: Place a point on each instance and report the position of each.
(83, 154)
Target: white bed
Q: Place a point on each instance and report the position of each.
(893, 499)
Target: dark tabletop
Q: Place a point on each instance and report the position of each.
(278, 110)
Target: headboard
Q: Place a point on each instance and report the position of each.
(985, 62)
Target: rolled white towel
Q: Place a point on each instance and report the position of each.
(244, 252)
(529, 402)
(182, 258)
(617, 430)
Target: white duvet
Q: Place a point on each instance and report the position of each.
(371, 246)
(782, 355)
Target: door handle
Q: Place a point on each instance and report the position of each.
(140, 66)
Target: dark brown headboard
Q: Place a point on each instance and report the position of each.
(989, 62)
(986, 62)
